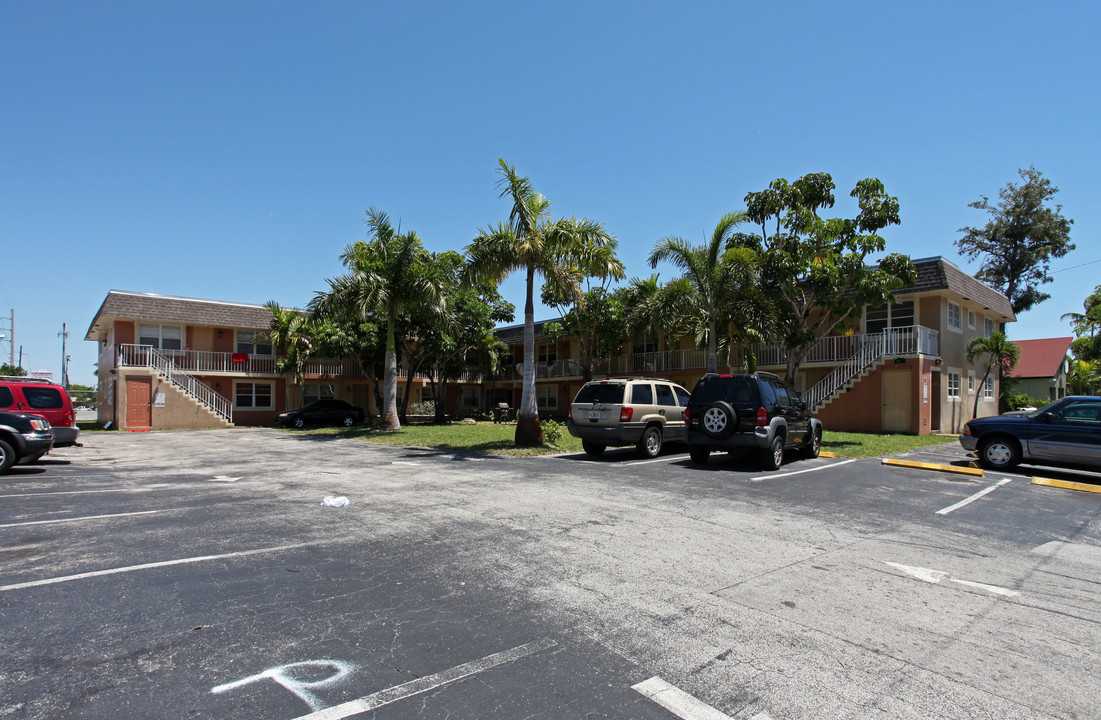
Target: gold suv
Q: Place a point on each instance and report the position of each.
(644, 412)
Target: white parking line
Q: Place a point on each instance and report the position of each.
(79, 519)
(680, 703)
(79, 492)
(428, 682)
(664, 459)
(773, 476)
(973, 498)
(148, 566)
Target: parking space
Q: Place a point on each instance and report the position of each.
(165, 575)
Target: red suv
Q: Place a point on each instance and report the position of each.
(44, 399)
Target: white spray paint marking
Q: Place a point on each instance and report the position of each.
(680, 703)
(80, 519)
(148, 566)
(974, 497)
(403, 462)
(224, 478)
(935, 576)
(284, 675)
(428, 682)
(773, 476)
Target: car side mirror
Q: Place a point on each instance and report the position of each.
(1046, 417)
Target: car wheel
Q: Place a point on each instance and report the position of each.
(699, 454)
(718, 419)
(649, 446)
(299, 422)
(349, 421)
(814, 445)
(999, 453)
(773, 457)
(7, 456)
(593, 449)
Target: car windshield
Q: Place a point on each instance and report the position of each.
(1046, 408)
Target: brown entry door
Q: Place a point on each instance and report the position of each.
(139, 396)
(896, 402)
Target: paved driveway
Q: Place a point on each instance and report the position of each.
(197, 574)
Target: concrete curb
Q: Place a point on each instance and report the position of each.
(1067, 484)
(975, 472)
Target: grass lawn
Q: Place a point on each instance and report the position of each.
(497, 439)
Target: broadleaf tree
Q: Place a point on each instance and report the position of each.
(561, 251)
(1016, 246)
(817, 268)
(595, 320)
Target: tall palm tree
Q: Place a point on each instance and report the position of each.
(289, 334)
(716, 275)
(1002, 354)
(387, 274)
(563, 252)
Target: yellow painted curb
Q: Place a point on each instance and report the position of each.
(934, 466)
(1067, 484)
(827, 454)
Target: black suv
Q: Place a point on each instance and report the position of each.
(22, 436)
(749, 413)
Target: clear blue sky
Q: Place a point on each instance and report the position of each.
(228, 150)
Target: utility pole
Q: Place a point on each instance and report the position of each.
(64, 334)
(11, 329)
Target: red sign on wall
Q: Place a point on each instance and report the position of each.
(240, 357)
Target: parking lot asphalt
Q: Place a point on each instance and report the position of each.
(198, 574)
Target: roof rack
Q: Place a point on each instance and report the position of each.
(25, 378)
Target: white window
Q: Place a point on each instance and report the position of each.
(547, 353)
(546, 396)
(953, 384)
(252, 395)
(988, 388)
(312, 392)
(971, 319)
(162, 337)
(988, 327)
(251, 342)
(970, 381)
(954, 317)
(877, 319)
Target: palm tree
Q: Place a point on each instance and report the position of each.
(387, 274)
(289, 334)
(1090, 318)
(563, 252)
(716, 275)
(1001, 353)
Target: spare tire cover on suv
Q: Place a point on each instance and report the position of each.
(719, 419)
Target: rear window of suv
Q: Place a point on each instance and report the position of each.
(611, 393)
(42, 398)
(738, 389)
(6, 398)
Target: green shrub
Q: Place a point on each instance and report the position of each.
(421, 408)
(552, 432)
(1016, 402)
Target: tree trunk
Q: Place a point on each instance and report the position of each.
(529, 431)
(390, 381)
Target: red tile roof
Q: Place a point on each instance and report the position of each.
(1041, 358)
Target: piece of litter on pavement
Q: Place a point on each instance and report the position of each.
(331, 501)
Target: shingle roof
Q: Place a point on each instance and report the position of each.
(165, 308)
(1041, 358)
(936, 273)
(514, 334)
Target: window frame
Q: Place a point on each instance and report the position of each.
(988, 387)
(953, 374)
(319, 396)
(970, 319)
(253, 348)
(160, 335)
(254, 395)
(958, 327)
(542, 392)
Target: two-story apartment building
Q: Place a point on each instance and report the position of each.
(169, 362)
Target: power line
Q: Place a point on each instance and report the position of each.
(1075, 267)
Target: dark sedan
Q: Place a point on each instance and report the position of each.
(322, 412)
(1067, 432)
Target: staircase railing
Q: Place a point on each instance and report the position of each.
(148, 356)
(871, 350)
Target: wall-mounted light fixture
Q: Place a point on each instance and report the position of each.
(219, 332)
(900, 361)
(217, 386)
(938, 362)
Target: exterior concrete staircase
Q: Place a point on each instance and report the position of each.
(204, 397)
(866, 359)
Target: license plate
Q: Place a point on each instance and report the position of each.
(594, 414)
